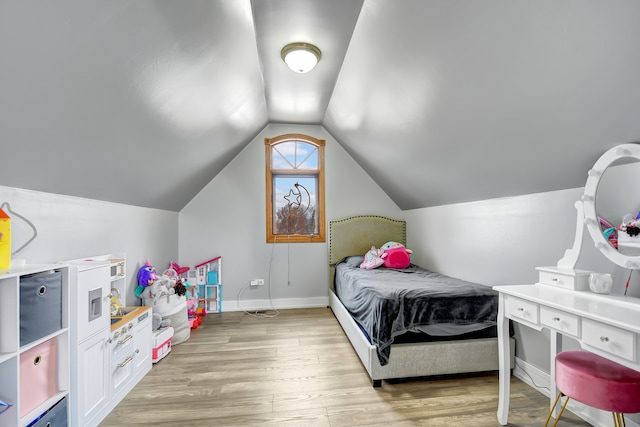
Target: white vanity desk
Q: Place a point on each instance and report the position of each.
(607, 325)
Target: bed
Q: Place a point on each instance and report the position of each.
(392, 354)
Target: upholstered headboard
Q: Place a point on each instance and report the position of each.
(356, 235)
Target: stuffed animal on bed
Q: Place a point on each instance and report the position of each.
(396, 255)
(373, 259)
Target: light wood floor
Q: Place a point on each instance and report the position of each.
(299, 369)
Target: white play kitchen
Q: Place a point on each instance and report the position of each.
(69, 350)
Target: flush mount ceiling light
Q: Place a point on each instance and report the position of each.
(300, 57)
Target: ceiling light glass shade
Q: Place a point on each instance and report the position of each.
(301, 57)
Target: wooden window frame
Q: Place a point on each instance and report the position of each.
(320, 199)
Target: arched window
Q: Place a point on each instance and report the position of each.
(295, 189)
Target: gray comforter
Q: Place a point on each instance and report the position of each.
(387, 302)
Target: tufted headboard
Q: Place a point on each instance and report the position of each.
(355, 236)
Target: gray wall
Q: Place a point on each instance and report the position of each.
(228, 218)
(501, 242)
(73, 227)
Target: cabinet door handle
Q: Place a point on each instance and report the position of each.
(127, 360)
(604, 339)
(127, 338)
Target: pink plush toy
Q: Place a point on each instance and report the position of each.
(396, 255)
(373, 259)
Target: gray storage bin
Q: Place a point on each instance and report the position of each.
(56, 416)
(40, 305)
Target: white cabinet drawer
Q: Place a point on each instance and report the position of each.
(609, 338)
(577, 280)
(121, 343)
(560, 321)
(121, 372)
(522, 309)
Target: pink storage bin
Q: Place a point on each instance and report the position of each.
(161, 343)
(38, 375)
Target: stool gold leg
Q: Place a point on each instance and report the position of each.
(618, 420)
(554, 407)
(561, 411)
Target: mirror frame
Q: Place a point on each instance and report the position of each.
(589, 202)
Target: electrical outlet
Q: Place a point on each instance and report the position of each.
(257, 282)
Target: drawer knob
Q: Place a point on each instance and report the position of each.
(520, 309)
(555, 279)
(555, 318)
(604, 339)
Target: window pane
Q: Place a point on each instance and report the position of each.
(307, 156)
(294, 155)
(295, 205)
(283, 155)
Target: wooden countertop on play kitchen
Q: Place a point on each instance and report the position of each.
(137, 311)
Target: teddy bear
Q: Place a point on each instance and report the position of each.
(146, 277)
(157, 322)
(155, 290)
(374, 258)
(396, 255)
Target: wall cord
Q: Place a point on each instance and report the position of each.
(5, 206)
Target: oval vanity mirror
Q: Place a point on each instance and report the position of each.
(611, 195)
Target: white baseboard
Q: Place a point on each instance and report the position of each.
(539, 380)
(279, 304)
(532, 376)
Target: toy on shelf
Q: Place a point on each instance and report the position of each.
(5, 241)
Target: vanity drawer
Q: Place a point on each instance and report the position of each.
(560, 321)
(608, 338)
(577, 280)
(522, 309)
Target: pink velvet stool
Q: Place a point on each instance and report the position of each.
(597, 382)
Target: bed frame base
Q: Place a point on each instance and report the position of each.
(419, 359)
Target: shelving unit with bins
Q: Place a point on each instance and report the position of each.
(209, 282)
(11, 350)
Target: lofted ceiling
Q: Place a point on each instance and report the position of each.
(143, 102)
